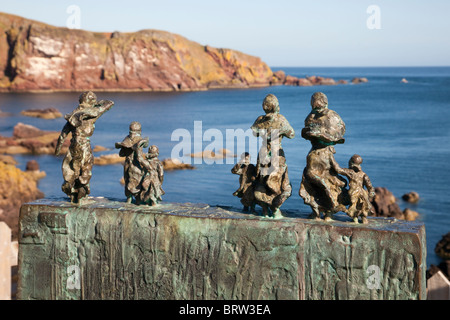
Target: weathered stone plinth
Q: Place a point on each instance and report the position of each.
(114, 250)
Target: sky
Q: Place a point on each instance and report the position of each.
(283, 33)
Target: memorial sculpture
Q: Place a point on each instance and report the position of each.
(133, 172)
(322, 187)
(78, 162)
(272, 186)
(151, 187)
(247, 176)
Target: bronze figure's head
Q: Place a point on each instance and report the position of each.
(270, 104)
(319, 101)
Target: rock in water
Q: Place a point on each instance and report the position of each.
(49, 113)
(385, 204)
(411, 197)
(442, 248)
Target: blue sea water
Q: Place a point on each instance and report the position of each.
(400, 129)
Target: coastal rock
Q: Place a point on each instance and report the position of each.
(279, 77)
(443, 267)
(175, 164)
(100, 149)
(442, 248)
(359, 80)
(33, 168)
(16, 188)
(49, 113)
(410, 215)
(27, 139)
(40, 57)
(108, 159)
(404, 80)
(411, 197)
(8, 159)
(209, 154)
(385, 205)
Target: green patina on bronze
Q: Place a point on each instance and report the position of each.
(195, 251)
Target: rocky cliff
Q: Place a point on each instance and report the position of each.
(38, 57)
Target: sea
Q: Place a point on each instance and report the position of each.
(401, 130)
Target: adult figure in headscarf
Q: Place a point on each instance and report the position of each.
(321, 187)
(133, 172)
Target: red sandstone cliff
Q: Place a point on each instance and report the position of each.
(37, 57)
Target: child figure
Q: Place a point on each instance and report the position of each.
(247, 174)
(152, 191)
(360, 199)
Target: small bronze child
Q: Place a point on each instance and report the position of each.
(152, 191)
(360, 199)
(247, 175)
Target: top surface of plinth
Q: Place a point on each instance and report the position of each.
(201, 210)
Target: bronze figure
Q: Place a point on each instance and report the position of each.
(247, 176)
(151, 191)
(360, 199)
(133, 171)
(78, 162)
(321, 187)
(272, 185)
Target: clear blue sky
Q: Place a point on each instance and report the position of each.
(282, 33)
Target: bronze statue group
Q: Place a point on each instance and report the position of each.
(323, 186)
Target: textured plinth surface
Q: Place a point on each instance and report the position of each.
(113, 250)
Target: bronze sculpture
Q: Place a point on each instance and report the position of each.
(151, 188)
(272, 185)
(133, 172)
(322, 188)
(247, 176)
(78, 162)
(360, 199)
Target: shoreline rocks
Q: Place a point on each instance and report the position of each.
(411, 197)
(280, 78)
(49, 113)
(385, 205)
(16, 187)
(209, 154)
(27, 139)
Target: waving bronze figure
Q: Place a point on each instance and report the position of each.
(78, 162)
